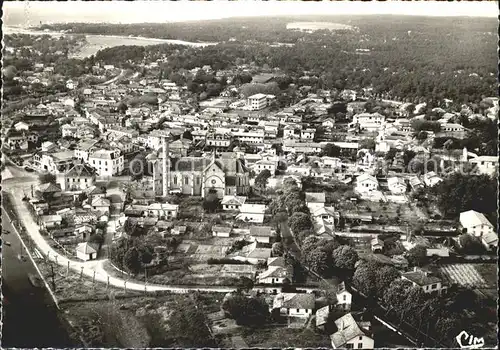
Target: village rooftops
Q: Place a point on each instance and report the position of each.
(420, 278)
(238, 200)
(294, 301)
(80, 170)
(222, 229)
(276, 272)
(473, 218)
(276, 261)
(104, 154)
(262, 231)
(348, 330)
(85, 248)
(315, 197)
(253, 208)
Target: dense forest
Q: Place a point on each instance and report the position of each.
(404, 58)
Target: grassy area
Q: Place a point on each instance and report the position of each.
(285, 338)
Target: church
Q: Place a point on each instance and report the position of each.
(226, 174)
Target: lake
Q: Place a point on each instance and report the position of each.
(99, 42)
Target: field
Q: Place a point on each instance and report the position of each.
(318, 26)
(464, 275)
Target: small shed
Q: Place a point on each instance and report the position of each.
(86, 251)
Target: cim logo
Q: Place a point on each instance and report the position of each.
(468, 341)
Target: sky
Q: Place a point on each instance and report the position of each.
(24, 13)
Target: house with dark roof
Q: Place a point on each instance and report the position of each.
(294, 304)
(425, 280)
(352, 334)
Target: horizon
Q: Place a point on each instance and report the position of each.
(29, 13)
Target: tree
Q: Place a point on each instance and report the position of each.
(384, 277)
(248, 311)
(417, 255)
(262, 179)
(364, 278)
(96, 238)
(132, 260)
(345, 257)
(211, 203)
(461, 192)
(245, 284)
(299, 221)
(188, 325)
(367, 143)
(396, 294)
(317, 260)
(471, 245)
(422, 135)
(277, 249)
(47, 178)
(332, 150)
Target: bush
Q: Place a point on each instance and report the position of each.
(226, 261)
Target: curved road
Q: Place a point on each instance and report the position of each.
(19, 185)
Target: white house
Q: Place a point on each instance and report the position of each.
(221, 231)
(367, 121)
(366, 183)
(485, 164)
(478, 225)
(307, 134)
(163, 211)
(344, 298)
(294, 304)
(85, 251)
(396, 185)
(252, 213)
(257, 102)
(277, 272)
(352, 334)
(424, 280)
(251, 254)
(107, 162)
(233, 202)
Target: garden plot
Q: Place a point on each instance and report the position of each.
(464, 275)
(205, 252)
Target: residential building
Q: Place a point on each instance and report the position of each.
(251, 254)
(366, 183)
(100, 205)
(352, 334)
(107, 162)
(278, 272)
(252, 213)
(396, 185)
(232, 202)
(250, 137)
(377, 245)
(163, 211)
(315, 200)
(79, 177)
(294, 304)
(425, 280)
(479, 226)
(307, 134)
(262, 234)
(485, 164)
(263, 164)
(221, 231)
(218, 140)
(86, 251)
(257, 102)
(368, 121)
(344, 298)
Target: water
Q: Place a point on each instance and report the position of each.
(30, 317)
(99, 42)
